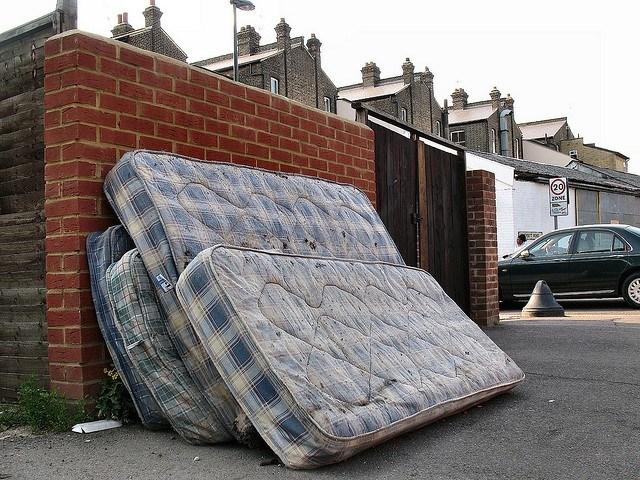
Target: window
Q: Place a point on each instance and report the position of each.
(494, 141)
(516, 148)
(327, 104)
(458, 137)
(595, 242)
(438, 128)
(275, 85)
(551, 246)
(573, 154)
(619, 245)
(403, 114)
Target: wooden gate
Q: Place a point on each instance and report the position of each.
(421, 198)
(396, 189)
(443, 240)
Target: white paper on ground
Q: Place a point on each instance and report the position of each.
(97, 426)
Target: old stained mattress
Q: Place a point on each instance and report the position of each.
(329, 357)
(103, 249)
(174, 207)
(143, 328)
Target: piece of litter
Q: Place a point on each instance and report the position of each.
(97, 426)
(87, 441)
(551, 401)
(196, 459)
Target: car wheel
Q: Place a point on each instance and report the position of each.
(631, 290)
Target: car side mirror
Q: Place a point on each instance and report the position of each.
(525, 254)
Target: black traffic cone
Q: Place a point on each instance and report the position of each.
(542, 303)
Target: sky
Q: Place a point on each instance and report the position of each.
(555, 57)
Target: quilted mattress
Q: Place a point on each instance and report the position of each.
(143, 328)
(103, 249)
(174, 207)
(329, 357)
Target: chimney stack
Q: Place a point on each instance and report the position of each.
(123, 25)
(509, 102)
(427, 78)
(407, 71)
(495, 98)
(313, 45)
(459, 97)
(152, 15)
(283, 37)
(370, 74)
(248, 40)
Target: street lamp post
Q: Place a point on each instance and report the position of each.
(246, 6)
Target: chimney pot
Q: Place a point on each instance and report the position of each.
(152, 3)
(123, 25)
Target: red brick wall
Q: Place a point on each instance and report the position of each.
(483, 247)
(104, 98)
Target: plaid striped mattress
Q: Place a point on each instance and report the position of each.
(152, 354)
(174, 207)
(329, 357)
(103, 249)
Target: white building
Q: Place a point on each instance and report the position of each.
(522, 198)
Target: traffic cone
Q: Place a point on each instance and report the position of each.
(542, 303)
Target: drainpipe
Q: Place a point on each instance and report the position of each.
(504, 131)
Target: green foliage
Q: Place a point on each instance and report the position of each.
(42, 410)
(114, 402)
(9, 417)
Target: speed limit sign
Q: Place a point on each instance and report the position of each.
(558, 197)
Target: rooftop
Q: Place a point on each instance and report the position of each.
(225, 61)
(629, 178)
(471, 113)
(384, 88)
(242, 60)
(541, 128)
(532, 170)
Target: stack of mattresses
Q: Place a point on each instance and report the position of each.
(280, 303)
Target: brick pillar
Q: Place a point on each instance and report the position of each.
(104, 98)
(483, 247)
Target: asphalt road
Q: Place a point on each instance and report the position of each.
(576, 416)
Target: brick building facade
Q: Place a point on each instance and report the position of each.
(409, 97)
(591, 154)
(555, 134)
(151, 37)
(288, 67)
(487, 126)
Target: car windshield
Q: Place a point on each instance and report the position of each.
(516, 252)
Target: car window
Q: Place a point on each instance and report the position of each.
(618, 245)
(594, 241)
(551, 246)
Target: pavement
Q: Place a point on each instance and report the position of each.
(576, 416)
(616, 311)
